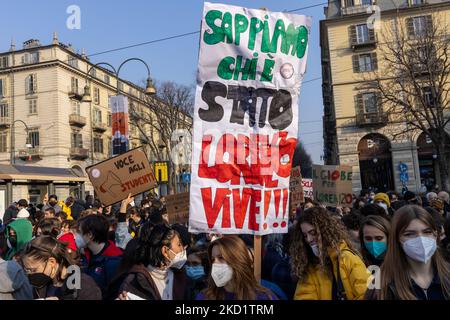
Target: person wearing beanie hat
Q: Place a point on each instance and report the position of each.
(409, 196)
(382, 197)
(23, 214)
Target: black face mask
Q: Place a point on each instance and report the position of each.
(53, 203)
(13, 242)
(39, 280)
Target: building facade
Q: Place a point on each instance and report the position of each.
(41, 88)
(357, 129)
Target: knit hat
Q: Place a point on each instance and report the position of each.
(382, 197)
(23, 214)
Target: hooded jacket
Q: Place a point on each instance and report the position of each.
(14, 283)
(353, 274)
(103, 266)
(24, 233)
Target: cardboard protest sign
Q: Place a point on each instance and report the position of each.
(177, 206)
(308, 188)
(296, 187)
(251, 65)
(333, 185)
(115, 178)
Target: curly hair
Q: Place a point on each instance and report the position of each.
(330, 234)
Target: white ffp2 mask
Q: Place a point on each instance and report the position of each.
(420, 248)
(221, 274)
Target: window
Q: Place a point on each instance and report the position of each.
(420, 25)
(370, 102)
(428, 96)
(109, 119)
(362, 33)
(96, 95)
(98, 145)
(73, 62)
(32, 106)
(33, 137)
(74, 85)
(4, 62)
(31, 84)
(75, 107)
(32, 57)
(416, 2)
(76, 140)
(97, 116)
(365, 62)
(2, 88)
(366, 2)
(4, 110)
(93, 72)
(349, 3)
(107, 79)
(3, 141)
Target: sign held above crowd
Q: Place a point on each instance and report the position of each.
(251, 65)
(115, 178)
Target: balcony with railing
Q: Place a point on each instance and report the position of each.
(75, 92)
(99, 127)
(5, 121)
(79, 153)
(34, 153)
(77, 120)
(371, 119)
(355, 9)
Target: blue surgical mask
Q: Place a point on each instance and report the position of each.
(376, 248)
(195, 272)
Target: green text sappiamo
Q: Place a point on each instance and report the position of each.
(293, 39)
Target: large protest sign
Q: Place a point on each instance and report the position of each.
(308, 188)
(251, 65)
(333, 185)
(296, 188)
(115, 178)
(177, 206)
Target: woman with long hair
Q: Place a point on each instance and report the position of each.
(413, 268)
(49, 265)
(373, 236)
(324, 260)
(232, 276)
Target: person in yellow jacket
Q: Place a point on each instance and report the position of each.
(323, 259)
(66, 207)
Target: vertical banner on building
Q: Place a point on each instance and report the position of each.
(333, 185)
(119, 113)
(251, 65)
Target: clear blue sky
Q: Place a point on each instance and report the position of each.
(107, 24)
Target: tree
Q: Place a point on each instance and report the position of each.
(414, 84)
(303, 159)
(165, 131)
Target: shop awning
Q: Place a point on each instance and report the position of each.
(16, 172)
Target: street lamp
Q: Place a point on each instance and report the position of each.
(12, 140)
(149, 89)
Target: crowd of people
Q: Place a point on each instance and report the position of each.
(387, 246)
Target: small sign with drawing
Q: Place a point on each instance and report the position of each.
(115, 178)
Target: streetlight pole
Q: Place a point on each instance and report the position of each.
(12, 139)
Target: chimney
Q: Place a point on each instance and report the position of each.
(83, 53)
(13, 45)
(55, 38)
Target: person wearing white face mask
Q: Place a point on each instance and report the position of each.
(413, 267)
(157, 273)
(232, 276)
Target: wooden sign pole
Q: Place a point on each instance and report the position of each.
(257, 252)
